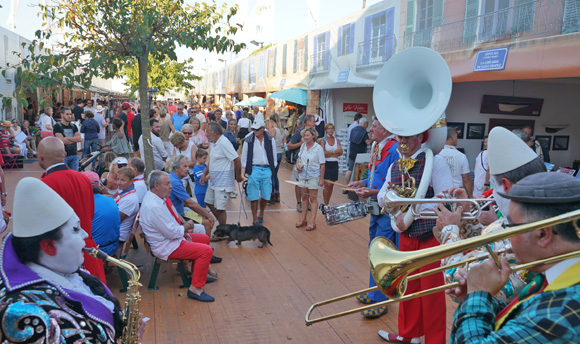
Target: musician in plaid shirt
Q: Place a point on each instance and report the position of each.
(548, 309)
(422, 316)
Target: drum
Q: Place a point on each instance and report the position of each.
(344, 212)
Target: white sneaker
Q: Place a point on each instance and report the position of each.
(395, 338)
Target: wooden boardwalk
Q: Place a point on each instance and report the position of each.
(262, 294)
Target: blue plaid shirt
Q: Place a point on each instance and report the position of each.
(548, 317)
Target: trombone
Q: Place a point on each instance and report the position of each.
(395, 204)
(390, 268)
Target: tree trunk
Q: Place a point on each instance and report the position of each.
(144, 104)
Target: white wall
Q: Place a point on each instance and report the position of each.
(561, 106)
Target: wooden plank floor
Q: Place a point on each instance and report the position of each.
(262, 294)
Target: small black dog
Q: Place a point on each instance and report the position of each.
(243, 233)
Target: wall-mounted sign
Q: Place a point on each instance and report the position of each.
(491, 59)
(343, 75)
(282, 82)
(356, 107)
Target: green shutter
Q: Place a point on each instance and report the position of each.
(410, 24)
(470, 26)
(437, 13)
(571, 16)
(523, 16)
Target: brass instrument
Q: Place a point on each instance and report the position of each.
(131, 317)
(395, 204)
(390, 268)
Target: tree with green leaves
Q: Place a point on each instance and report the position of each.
(165, 75)
(104, 37)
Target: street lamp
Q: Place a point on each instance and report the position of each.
(152, 92)
(256, 43)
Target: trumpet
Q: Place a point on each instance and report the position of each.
(390, 268)
(396, 205)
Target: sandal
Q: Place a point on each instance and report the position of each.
(301, 223)
(311, 227)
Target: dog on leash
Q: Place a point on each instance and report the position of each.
(243, 233)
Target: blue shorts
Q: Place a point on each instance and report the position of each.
(200, 199)
(260, 183)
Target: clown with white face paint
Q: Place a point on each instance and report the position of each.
(40, 265)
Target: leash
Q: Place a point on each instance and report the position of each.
(241, 205)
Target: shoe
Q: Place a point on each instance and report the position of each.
(210, 280)
(257, 223)
(299, 207)
(301, 223)
(364, 298)
(260, 220)
(393, 338)
(271, 201)
(203, 297)
(311, 227)
(213, 275)
(321, 206)
(277, 198)
(216, 239)
(233, 195)
(215, 260)
(375, 312)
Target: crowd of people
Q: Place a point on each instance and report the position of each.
(200, 158)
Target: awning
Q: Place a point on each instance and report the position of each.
(294, 95)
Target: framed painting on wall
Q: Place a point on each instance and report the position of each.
(561, 142)
(475, 131)
(459, 126)
(511, 124)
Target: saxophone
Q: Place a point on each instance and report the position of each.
(131, 317)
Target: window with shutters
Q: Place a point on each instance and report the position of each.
(495, 19)
(345, 44)
(571, 16)
(252, 71)
(261, 67)
(245, 72)
(299, 55)
(379, 41)
(321, 57)
(523, 16)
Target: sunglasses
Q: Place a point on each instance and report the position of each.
(186, 132)
(121, 165)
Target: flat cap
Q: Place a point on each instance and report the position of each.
(545, 187)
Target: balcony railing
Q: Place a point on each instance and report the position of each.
(376, 50)
(539, 18)
(320, 62)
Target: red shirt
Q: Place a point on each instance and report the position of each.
(75, 188)
(130, 117)
(172, 109)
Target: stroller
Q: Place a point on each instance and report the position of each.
(89, 159)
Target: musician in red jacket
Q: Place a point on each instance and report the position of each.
(75, 189)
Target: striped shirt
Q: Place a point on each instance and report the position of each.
(221, 165)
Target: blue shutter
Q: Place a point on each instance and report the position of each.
(327, 51)
(390, 26)
(275, 56)
(339, 41)
(315, 54)
(284, 58)
(438, 13)
(571, 22)
(410, 24)
(295, 56)
(306, 53)
(351, 45)
(367, 41)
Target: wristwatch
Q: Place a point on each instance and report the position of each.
(4, 194)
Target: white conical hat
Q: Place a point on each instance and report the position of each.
(50, 211)
(506, 151)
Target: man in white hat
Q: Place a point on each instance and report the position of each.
(74, 188)
(41, 275)
(259, 162)
(100, 119)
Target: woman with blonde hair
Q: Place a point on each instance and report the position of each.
(310, 167)
(197, 135)
(332, 150)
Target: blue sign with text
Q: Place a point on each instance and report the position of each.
(491, 59)
(343, 75)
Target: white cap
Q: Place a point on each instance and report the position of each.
(100, 108)
(506, 151)
(120, 160)
(50, 210)
(259, 123)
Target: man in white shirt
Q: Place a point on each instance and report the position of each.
(224, 169)
(259, 163)
(159, 152)
(481, 171)
(457, 162)
(100, 119)
(199, 115)
(549, 308)
(257, 114)
(170, 239)
(90, 106)
(139, 181)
